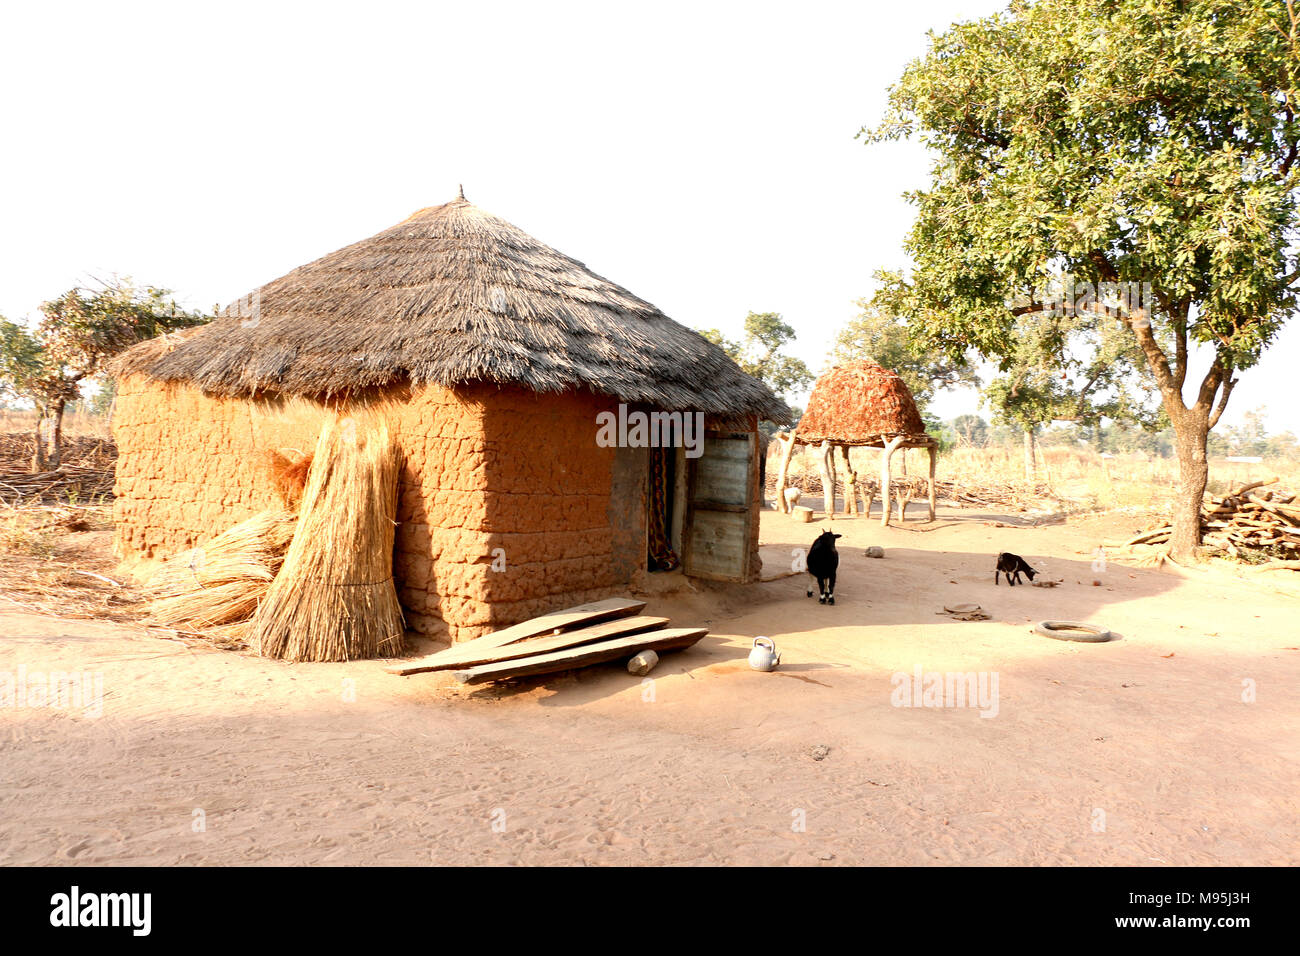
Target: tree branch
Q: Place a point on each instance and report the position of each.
(1180, 351)
(1030, 309)
(1083, 393)
(1291, 154)
(1140, 323)
(1209, 385)
(1223, 401)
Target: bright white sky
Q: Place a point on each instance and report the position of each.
(702, 155)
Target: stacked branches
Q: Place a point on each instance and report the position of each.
(1245, 524)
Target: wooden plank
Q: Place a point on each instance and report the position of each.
(546, 624)
(469, 656)
(668, 640)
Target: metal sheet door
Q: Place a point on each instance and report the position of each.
(719, 517)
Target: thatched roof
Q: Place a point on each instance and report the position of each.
(859, 403)
(453, 295)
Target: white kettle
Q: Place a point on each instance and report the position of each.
(764, 656)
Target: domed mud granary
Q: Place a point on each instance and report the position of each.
(859, 403)
(512, 378)
(863, 404)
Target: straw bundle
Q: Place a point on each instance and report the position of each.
(222, 582)
(334, 598)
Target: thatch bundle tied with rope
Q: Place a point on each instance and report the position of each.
(334, 598)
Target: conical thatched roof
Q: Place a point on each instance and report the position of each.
(449, 296)
(859, 403)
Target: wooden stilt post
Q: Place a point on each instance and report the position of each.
(934, 456)
(850, 484)
(887, 452)
(826, 464)
(787, 449)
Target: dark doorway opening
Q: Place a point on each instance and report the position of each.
(661, 495)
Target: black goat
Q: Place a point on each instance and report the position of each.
(1012, 565)
(823, 560)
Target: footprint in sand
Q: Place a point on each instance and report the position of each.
(76, 850)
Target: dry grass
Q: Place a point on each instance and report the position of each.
(220, 584)
(75, 424)
(1070, 479)
(334, 598)
(288, 476)
(859, 402)
(1083, 478)
(58, 560)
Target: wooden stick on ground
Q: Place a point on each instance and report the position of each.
(552, 623)
(673, 639)
(472, 654)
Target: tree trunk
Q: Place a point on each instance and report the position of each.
(1031, 465)
(55, 456)
(38, 456)
(1191, 430)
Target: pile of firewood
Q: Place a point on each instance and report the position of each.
(67, 483)
(86, 472)
(84, 451)
(962, 494)
(986, 496)
(1248, 520)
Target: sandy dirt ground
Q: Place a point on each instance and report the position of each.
(1146, 750)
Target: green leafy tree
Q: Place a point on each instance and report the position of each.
(1250, 437)
(25, 374)
(1284, 446)
(75, 337)
(1120, 142)
(883, 338)
(761, 353)
(1069, 368)
(101, 403)
(21, 362)
(972, 431)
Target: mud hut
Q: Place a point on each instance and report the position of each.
(560, 435)
(858, 404)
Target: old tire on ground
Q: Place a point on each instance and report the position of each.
(1072, 631)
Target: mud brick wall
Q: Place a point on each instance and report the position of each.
(440, 544)
(190, 466)
(506, 506)
(505, 509)
(568, 515)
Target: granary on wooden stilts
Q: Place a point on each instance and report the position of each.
(858, 404)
